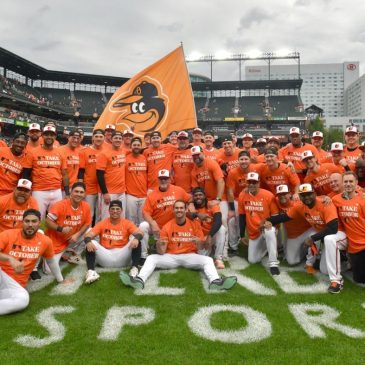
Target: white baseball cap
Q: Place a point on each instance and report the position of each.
(198, 130)
(305, 188)
(164, 173)
(128, 132)
(336, 146)
(252, 176)
(247, 136)
(195, 150)
(274, 138)
(261, 140)
(294, 130)
(282, 189)
(34, 127)
(317, 134)
(24, 183)
(49, 128)
(351, 129)
(183, 134)
(110, 126)
(307, 154)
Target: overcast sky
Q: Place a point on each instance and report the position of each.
(122, 37)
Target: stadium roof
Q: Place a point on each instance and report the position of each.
(12, 62)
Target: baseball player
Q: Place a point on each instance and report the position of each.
(317, 141)
(351, 150)
(209, 151)
(127, 139)
(108, 133)
(34, 133)
(197, 137)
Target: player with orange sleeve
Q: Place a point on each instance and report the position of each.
(261, 145)
(182, 162)
(49, 172)
(197, 137)
(71, 154)
(118, 246)
(67, 222)
(180, 240)
(255, 205)
(87, 168)
(13, 205)
(324, 220)
(34, 133)
(227, 156)
(14, 161)
(136, 182)
(110, 173)
(127, 139)
(352, 151)
(210, 152)
(108, 133)
(247, 143)
(159, 157)
(317, 141)
(20, 250)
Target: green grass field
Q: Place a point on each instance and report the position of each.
(244, 326)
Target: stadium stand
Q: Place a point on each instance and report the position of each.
(251, 106)
(90, 102)
(285, 106)
(220, 107)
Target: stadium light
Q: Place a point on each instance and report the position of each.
(222, 55)
(254, 53)
(194, 56)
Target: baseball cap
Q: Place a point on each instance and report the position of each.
(110, 126)
(274, 138)
(337, 146)
(34, 127)
(247, 136)
(164, 173)
(155, 134)
(197, 130)
(351, 129)
(195, 150)
(227, 139)
(282, 189)
(305, 188)
(208, 133)
(24, 183)
(49, 128)
(183, 134)
(307, 154)
(73, 132)
(252, 176)
(261, 141)
(294, 130)
(317, 134)
(128, 132)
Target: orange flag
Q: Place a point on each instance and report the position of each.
(159, 98)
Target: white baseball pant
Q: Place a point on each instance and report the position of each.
(104, 208)
(92, 199)
(224, 210)
(233, 229)
(13, 297)
(189, 260)
(46, 198)
(133, 208)
(217, 244)
(146, 230)
(265, 243)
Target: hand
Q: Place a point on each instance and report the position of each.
(90, 247)
(134, 244)
(214, 202)
(231, 214)
(326, 200)
(106, 198)
(155, 229)
(292, 168)
(343, 162)
(308, 242)
(66, 230)
(73, 239)
(204, 217)
(267, 225)
(208, 242)
(244, 241)
(67, 281)
(295, 197)
(196, 240)
(17, 265)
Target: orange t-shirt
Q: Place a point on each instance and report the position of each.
(236, 179)
(294, 228)
(182, 163)
(321, 179)
(179, 238)
(210, 210)
(72, 158)
(231, 161)
(317, 217)
(210, 154)
(114, 235)
(159, 204)
(65, 215)
(256, 208)
(206, 176)
(351, 155)
(323, 156)
(136, 175)
(282, 175)
(11, 213)
(47, 168)
(260, 159)
(293, 154)
(28, 251)
(88, 157)
(11, 168)
(352, 216)
(3, 143)
(113, 163)
(158, 159)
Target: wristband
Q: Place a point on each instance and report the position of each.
(59, 229)
(87, 240)
(231, 205)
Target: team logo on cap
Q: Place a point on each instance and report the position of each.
(144, 106)
(195, 150)
(282, 189)
(253, 176)
(305, 188)
(164, 173)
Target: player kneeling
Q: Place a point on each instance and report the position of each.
(119, 243)
(179, 242)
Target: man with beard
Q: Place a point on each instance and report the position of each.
(317, 142)
(351, 150)
(34, 134)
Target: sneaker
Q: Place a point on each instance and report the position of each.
(335, 287)
(34, 275)
(134, 282)
(274, 270)
(310, 269)
(232, 252)
(223, 283)
(133, 271)
(91, 276)
(219, 264)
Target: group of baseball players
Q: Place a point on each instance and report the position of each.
(103, 203)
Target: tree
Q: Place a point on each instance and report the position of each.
(330, 135)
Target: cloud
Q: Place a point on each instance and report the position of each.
(253, 16)
(173, 27)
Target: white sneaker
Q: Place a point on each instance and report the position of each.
(91, 276)
(133, 272)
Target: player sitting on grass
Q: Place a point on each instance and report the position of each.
(179, 242)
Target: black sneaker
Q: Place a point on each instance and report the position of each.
(223, 283)
(141, 262)
(134, 282)
(274, 270)
(232, 252)
(335, 287)
(34, 275)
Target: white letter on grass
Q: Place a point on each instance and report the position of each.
(118, 317)
(55, 328)
(257, 328)
(325, 316)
